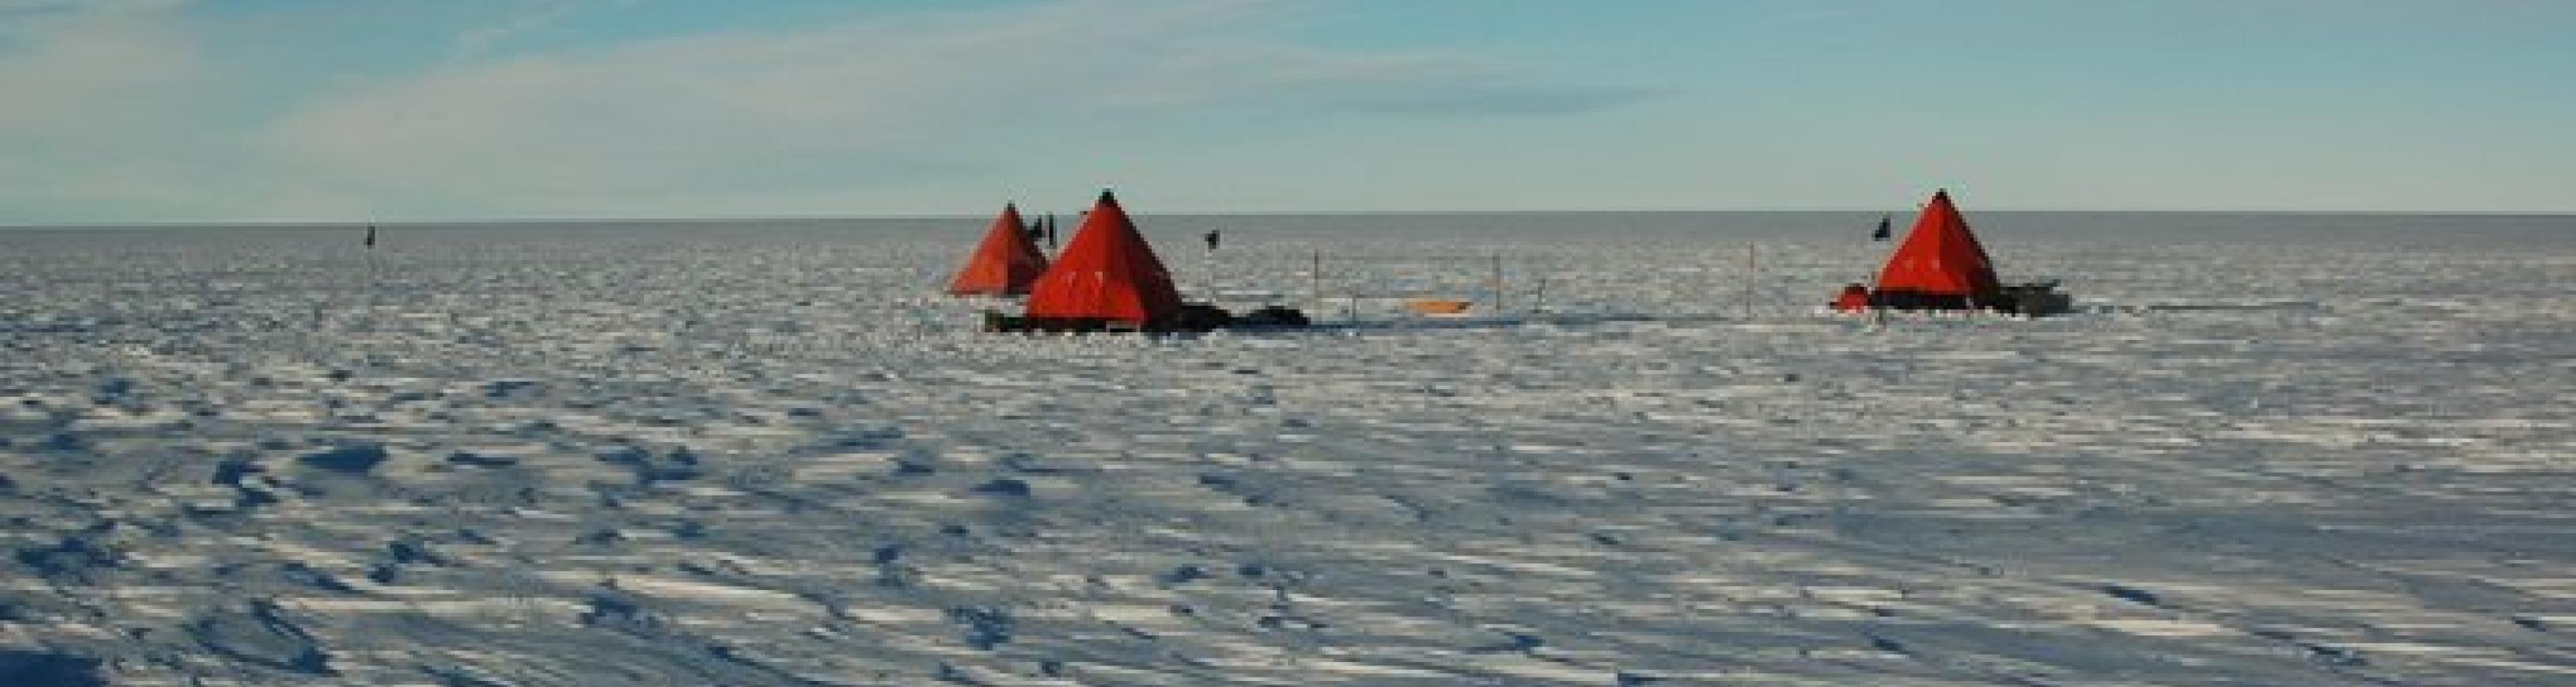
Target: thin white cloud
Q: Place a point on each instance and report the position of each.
(739, 115)
(64, 53)
(482, 40)
(24, 8)
(104, 109)
(479, 40)
(1816, 13)
(120, 110)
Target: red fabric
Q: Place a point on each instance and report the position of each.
(1940, 257)
(1107, 272)
(1005, 264)
(1854, 298)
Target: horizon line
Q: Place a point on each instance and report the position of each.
(691, 219)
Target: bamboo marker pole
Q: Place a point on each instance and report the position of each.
(1316, 274)
(1750, 264)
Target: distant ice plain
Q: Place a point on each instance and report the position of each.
(2339, 453)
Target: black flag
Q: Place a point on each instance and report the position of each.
(1883, 232)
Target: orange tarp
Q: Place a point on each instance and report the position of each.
(1438, 306)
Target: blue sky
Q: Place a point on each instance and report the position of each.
(327, 110)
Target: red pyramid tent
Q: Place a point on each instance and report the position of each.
(1940, 257)
(1106, 273)
(1004, 264)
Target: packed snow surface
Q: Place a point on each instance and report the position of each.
(2273, 450)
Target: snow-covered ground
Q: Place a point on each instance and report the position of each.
(2281, 450)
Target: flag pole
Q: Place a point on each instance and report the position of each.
(1878, 312)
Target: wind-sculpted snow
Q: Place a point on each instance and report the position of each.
(2268, 453)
